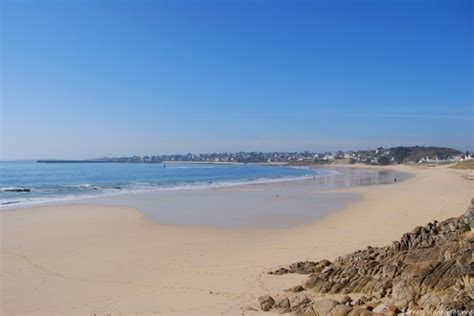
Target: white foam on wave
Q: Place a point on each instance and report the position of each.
(170, 166)
(81, 185)
(8, 189)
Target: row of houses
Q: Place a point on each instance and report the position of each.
(379, 156)
(455, 158)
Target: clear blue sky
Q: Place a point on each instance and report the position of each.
(107, 78)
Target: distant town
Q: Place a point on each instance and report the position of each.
(378, 156)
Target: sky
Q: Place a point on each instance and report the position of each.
(83, 79)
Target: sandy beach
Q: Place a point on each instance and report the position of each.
(93, 259)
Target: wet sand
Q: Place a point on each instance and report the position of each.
(255, 206)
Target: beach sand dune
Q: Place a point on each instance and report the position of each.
(86, 259)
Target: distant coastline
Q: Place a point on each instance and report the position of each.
(80, 161)
(380, 156)
(164, 162)
(227, 163)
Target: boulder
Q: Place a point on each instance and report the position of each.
(17, 190)
(413, 307)
(282, 306)
(358, 311)
(266, 302)
(340, 310)
(346, 299)
(299, 302)
(249, 308)
(379, 308)
(469, 215)
(280, 271)
(391, 310)
(323, 307)
(295, 289)
(312, 281)
(404, 292)
(429, 299)
(306, 310)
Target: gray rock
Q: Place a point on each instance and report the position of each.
(346, 299)
(17, 190)
(266, 302)
(340, 310)
(306, 310)
(282, 306)
(469, 215)
(358, 311)
(431, 299)
(323, 307)
(249, 308)
(379, 308)
(311, 281)
(298, 302)
(280, 271)
(295, 289)
(404, 292)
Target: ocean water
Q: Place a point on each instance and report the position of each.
(44, 183)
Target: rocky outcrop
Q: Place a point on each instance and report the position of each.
(429, 269)
(17, 190)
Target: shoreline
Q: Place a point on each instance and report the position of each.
(257, 204)
(98, 259)
(114, 190)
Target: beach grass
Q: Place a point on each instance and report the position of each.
(466, 164)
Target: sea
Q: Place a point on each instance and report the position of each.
(30, 183)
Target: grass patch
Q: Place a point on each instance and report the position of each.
(466, 164)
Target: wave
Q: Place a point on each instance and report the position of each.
(81, 185)
(170, 166)
(95, 191)
(14, 189)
